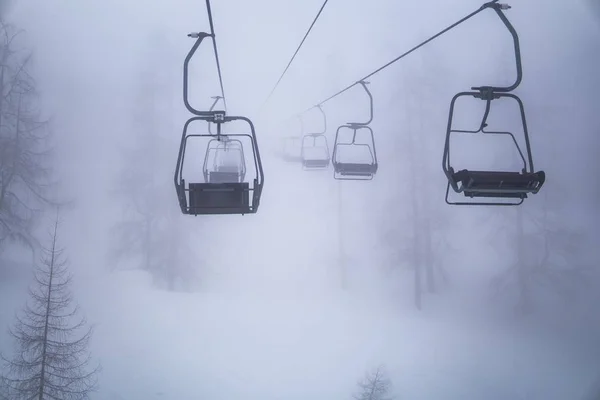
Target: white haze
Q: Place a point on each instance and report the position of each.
(269, 320)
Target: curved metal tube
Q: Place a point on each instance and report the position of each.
(498, 8)
(324, 131)
(200, 36)
(324, 119)
(364, 85)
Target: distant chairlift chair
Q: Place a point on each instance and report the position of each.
(366, 167)
(315, 150)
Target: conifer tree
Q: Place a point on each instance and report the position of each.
(51, 358)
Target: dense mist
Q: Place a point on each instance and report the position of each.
(332, 287)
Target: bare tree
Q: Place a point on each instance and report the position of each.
(25, 174)
(151, 230)
(547, 248)
(547, 255)
(374, 386)
(51, 360)
(425, 243)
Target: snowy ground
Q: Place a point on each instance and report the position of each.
(273, 344)
(272, 322)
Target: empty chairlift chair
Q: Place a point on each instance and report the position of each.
(226, 188)
(501, 188)
(315, 150)
(355, 159)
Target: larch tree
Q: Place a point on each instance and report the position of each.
(51, 358)
(25, 169)
(375, 385)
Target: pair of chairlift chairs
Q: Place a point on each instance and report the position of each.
(351, 158)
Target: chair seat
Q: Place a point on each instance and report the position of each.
(219, 198)
(498, 183)
(355, 169)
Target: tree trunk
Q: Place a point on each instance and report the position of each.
(2, 183)
(47, 317)
(341, 256)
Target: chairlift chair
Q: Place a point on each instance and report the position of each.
(221, 192)
(366, 168)
(315, 150)
(493, 186)
(225, 189)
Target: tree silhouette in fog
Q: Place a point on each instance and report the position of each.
(51, 359)
(152, 233)
(545, 246)
(375, 385)
(417, 231)
(25, 175)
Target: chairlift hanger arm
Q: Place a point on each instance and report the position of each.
(487, 89)
(364, 85)
(324, 119)
(199, 36)
(324, 130)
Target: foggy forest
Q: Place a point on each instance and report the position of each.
(269, 199)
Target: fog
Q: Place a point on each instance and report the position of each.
(302, 298)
